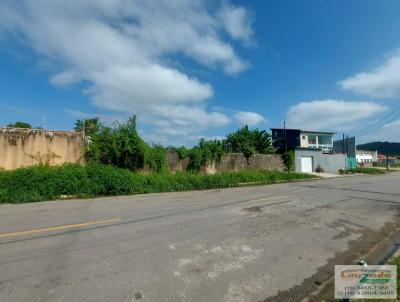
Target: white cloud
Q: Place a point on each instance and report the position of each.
(332, 115)
(236, 21)
(383, 81)
(124, 51)
(387, 132)
(249, 118)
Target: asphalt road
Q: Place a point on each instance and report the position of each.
(273, 243)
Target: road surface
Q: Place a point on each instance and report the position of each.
(272, 243)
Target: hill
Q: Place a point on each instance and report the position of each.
(393, 149)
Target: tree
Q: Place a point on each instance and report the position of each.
(120, 145)
(89, 126)
(249, 142)
(20, 125)
(205, 151)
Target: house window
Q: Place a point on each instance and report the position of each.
(312, 139)
(303, 137)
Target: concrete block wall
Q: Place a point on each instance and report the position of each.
(231, 162)
(26, 147)
(331, 163)
(175, 164)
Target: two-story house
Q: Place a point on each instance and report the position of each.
(296, 138)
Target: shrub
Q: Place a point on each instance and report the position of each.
(249, 142)
(289, 161)
(72, 180)
(365, 171)
(43, 183)
(120, 146)
(319, 169)
(206, 151)
(182, 152)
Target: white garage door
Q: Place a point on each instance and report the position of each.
(306, 164)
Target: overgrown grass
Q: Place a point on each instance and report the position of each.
(72, 180)
(372, 171)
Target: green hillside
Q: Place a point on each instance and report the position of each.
(393, 149)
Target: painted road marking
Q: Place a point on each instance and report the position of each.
(61, 227)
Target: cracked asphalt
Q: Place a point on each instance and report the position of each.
(272, 243)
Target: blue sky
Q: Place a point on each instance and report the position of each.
(192, 69)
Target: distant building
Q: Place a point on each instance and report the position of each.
(295, 138)
(366, 157)
(382, 159)
(346, 146)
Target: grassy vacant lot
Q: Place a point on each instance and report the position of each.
(72, 180)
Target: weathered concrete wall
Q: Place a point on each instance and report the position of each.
(27, 147)
(331, 163)
(231, 162)
(175, 164)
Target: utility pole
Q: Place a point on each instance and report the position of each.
(387, 155)
(343, 144)
(284, 133)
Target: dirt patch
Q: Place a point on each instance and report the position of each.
(371, 246)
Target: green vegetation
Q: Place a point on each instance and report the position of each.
(19, 125)
(393, 149)
(395, 261)
(120, 146)
(289, 161)
(383, 165)
(244, 140)
(249, 142)
(182, 152)
(72, 180)
(372, 171)
(206, 151)
(90, 126)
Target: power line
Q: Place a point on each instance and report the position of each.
(380, 122)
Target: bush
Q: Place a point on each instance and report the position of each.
(319, 169)
(365, 171)
(74, 181)
(43, 183)
(206, 151)
(120, 146)
(289, 161)
(249, 142)
(182, 152)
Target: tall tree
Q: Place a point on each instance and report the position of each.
(249, 142)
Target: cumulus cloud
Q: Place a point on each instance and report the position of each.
(383, 81)
(249, 118)
(236, 22)
(123, 51)
(388, 132)
(332, 115)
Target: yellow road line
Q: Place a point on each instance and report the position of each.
(58, 228)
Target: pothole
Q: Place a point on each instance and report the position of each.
(255, 209)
